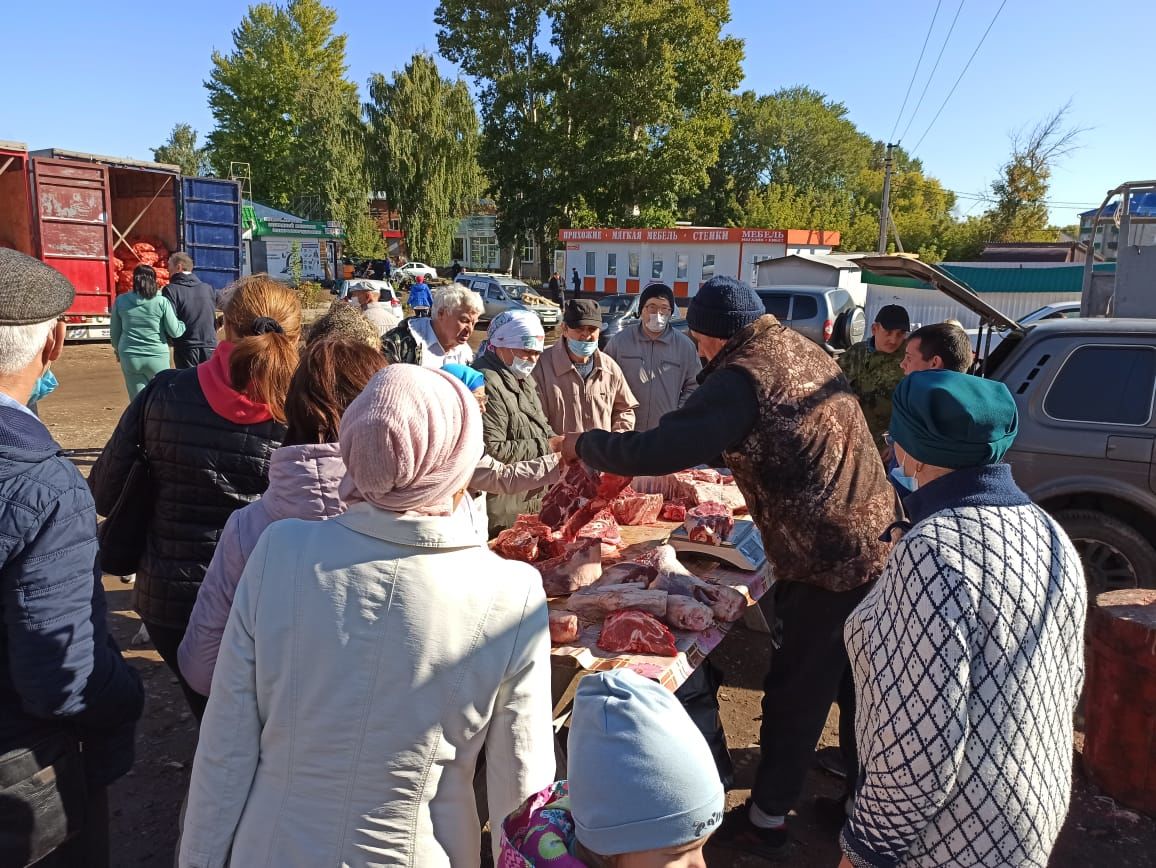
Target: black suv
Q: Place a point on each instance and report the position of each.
(1085, 389)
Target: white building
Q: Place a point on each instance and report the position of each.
(804, 269)
(626, 260)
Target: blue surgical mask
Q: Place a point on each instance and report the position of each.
(910, 483)
(582, 349)
(44, 386)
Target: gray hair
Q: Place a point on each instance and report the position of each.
(456, 298)
(180, 261)
(19, 345)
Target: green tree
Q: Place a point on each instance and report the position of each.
(181, 150)
(1021, 212)
(423, 145)
(280, 56)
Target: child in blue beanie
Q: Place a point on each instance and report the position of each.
(643, 790)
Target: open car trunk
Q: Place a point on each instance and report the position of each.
(990, 317)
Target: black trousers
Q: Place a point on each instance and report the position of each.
(90, 847)
(190, 357)
(809, 670)
(167, 640)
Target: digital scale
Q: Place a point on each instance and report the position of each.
(744, 549)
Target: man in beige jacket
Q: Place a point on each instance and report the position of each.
(581, 387)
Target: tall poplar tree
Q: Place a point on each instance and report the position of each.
(423, 151)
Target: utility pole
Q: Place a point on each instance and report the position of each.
(885, 209)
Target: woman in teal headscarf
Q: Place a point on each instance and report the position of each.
(968, 653)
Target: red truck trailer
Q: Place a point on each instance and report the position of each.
(80, 212)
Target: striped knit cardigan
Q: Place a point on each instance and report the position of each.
(968, 662)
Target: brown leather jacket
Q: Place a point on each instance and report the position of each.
(808, 469)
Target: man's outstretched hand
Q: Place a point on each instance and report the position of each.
(570, 448)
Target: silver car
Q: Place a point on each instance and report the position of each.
(493, 288)
(827, 315)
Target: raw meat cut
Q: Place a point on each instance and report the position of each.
(632, 508)
(711, 523)
(630, 631)
(594, 605)
(684, 613)
(693, 487)
(626, 573)
(727, 604)
(673, 510)
(563, 627)
(581, 565)
(516, 544)
(603, 527)
(578, 497)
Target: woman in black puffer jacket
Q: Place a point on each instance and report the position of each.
(208, 434)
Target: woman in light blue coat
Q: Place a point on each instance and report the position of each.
(143, 323)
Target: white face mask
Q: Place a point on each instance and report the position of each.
(656, 322)
(521, 368)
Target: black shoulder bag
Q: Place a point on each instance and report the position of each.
(124, 531)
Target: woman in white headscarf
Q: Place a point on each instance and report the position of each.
(368, 659)
(514, 425)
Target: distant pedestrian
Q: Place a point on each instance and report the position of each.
(69, 701)
(143, 323)
(388, 269)
(575, 281)
(420, 300)
(456, 270)
(195, 303)
(555, 286)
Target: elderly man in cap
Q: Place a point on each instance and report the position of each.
(580, 386)
(367, 296)
(68, 701)
(874, 368)
(660, 364)
(773, 404)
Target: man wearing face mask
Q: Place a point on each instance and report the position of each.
(660, 364)
(514, 425)
(581, 387)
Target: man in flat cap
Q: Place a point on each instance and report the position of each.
(68, 701)
(581, 387)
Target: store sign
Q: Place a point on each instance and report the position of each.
(332, 228)
(681, 235)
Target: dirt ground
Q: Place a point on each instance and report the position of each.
(82, 413)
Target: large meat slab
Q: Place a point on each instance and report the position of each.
(632, 632)
(578, 497)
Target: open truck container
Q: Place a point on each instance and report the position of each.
(80, 210)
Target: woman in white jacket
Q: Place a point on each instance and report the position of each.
(368, 659)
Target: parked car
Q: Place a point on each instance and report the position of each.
(1057, 310)
(411, 270)
(1085, 390)
(827, 315)
(620, 311)
(388, 293)
(492, 289)
(548, 311)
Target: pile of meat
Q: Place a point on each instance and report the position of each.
(690, 488)
(143, 251)
(640, 600)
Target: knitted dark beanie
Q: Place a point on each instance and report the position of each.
(723, 307)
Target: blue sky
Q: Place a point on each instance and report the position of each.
(79, 76)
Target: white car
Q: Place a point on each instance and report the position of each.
(412, 269)
(1056, 310)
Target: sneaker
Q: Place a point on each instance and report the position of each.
(141, 638)
(737, 832)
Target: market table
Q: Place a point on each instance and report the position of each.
(570, 663)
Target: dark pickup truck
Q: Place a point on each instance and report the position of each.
(1085, 389)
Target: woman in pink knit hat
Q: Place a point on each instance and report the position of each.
(368, 659)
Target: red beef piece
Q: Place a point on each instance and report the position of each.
(578, 497)
(563, 627)
(516, 544)
(604, 528)
(673, 510)
(710, 522)
(631, 508)
(631, 631)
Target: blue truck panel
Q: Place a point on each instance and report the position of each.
(211, 223)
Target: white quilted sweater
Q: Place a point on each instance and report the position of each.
(968, 661)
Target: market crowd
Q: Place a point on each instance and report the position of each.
(306, 515)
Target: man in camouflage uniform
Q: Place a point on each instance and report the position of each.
(874, 368)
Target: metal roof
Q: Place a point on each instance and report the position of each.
(1142, 205)
(264, 212)
(1061, 278)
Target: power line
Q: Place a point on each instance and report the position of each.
(927, 83)
(915, 71)
(967, 66)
